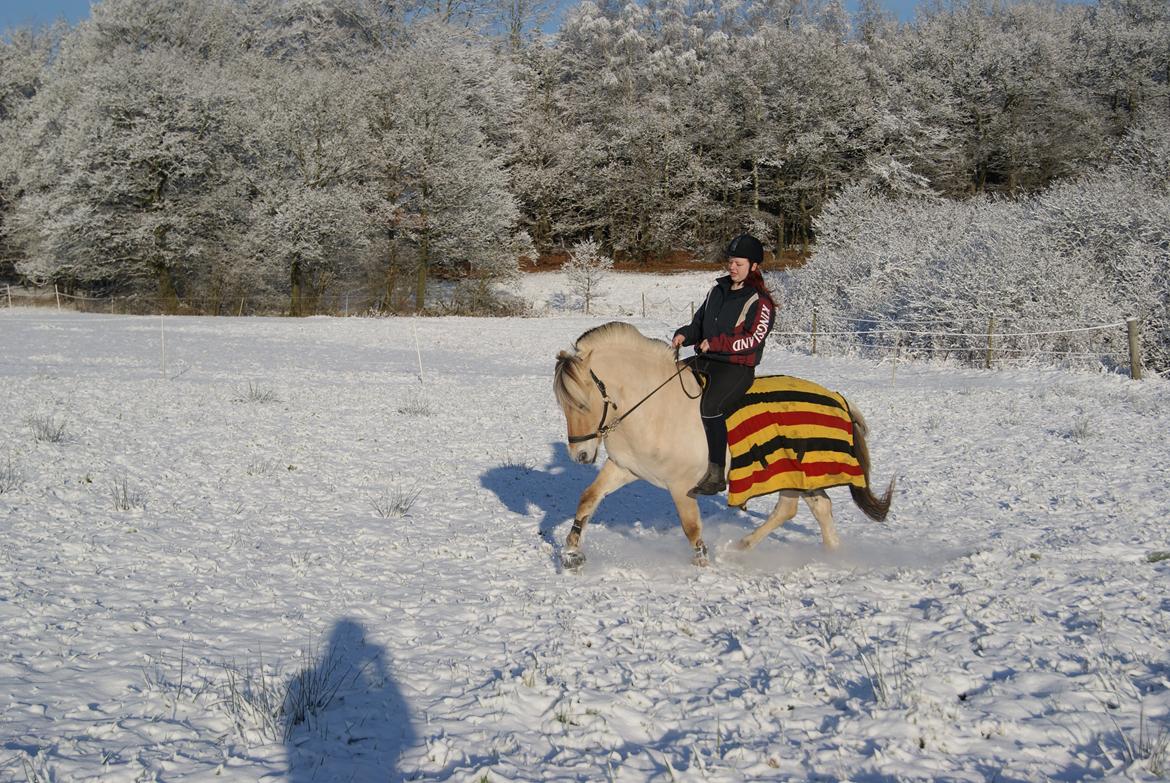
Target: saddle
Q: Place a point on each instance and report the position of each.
(789, 433)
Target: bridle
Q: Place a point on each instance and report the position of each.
(604, 429)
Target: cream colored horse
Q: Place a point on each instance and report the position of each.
(614, 368)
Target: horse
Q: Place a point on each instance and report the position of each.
(657, 436)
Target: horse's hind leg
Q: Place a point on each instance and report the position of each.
(822, 507)
(784, 511)
(692, 523)
(610, 478)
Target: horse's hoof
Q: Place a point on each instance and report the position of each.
(700, 558)
(572, 559)
(742, 545)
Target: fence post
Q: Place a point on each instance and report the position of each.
(814, 333)
(990, 332)
(57, 293)
(1135, 353)
(643, 304)
(8, 290)
(692, 311)
(347, 304)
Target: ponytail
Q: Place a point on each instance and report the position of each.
(756, 280)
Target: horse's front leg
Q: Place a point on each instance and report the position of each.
(692, 523)
(609, 479)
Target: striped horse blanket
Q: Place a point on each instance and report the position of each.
(789, 433)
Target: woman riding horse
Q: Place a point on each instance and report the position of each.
(729, 330)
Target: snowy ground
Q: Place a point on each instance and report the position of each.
(214, 522)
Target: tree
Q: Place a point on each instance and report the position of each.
(24, 61)
(586, 270)
(127, 174)
(443, 182)
(313, 205)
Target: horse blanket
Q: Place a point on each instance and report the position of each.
(789, 433)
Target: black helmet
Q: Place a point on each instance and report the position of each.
(746, 246)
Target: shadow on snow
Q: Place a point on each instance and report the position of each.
(347, 719)
(552, 492)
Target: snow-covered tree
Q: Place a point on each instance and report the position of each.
(24, 59)
(445, 189)
(586, 271)
(127, 172)
(312, 204)
(321, 33)
(1088, 251)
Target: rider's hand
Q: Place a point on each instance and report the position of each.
(704, 347)
(677, 341)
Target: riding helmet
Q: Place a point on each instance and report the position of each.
(746, 246)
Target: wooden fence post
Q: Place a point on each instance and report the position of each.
(990, 332)
(8, 290)
(814, 333)
(57, 293)
(643, 304)
(1135, 353)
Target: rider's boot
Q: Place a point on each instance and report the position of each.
(712, 483)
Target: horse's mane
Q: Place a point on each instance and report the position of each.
(620, 333)
(571, 375)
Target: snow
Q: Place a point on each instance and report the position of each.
(1008, 621)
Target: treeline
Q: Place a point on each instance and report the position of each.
(204, 149)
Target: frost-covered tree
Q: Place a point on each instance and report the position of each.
(312, 201)
(444, 186)
(586, 271)
(24, 59)
(127, 173)
(1087, 251)
(321, 33)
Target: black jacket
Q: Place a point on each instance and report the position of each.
(735, 323)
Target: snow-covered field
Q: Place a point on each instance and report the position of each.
(200, 521)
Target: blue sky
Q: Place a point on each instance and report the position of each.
(16, 13)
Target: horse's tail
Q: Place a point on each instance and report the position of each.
(874, 507)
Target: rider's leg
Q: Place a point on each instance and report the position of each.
(726, 385)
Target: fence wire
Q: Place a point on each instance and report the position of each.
(1025, 342)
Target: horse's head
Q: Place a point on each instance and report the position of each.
(581, 402)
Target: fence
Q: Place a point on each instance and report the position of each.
(1114, 345)
(339, 303)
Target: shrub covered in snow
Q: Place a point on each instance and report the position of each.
(935, 273)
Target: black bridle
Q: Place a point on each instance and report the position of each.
(604, 429)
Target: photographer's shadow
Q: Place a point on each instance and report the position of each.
(345, 717)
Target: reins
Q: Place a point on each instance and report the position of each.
(604, 429)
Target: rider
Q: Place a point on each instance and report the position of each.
(729, 330)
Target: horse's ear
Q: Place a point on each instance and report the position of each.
(564, 356)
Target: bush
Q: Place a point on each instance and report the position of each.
(931, 274)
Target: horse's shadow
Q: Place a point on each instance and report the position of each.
(552, 491)
(346, 717)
